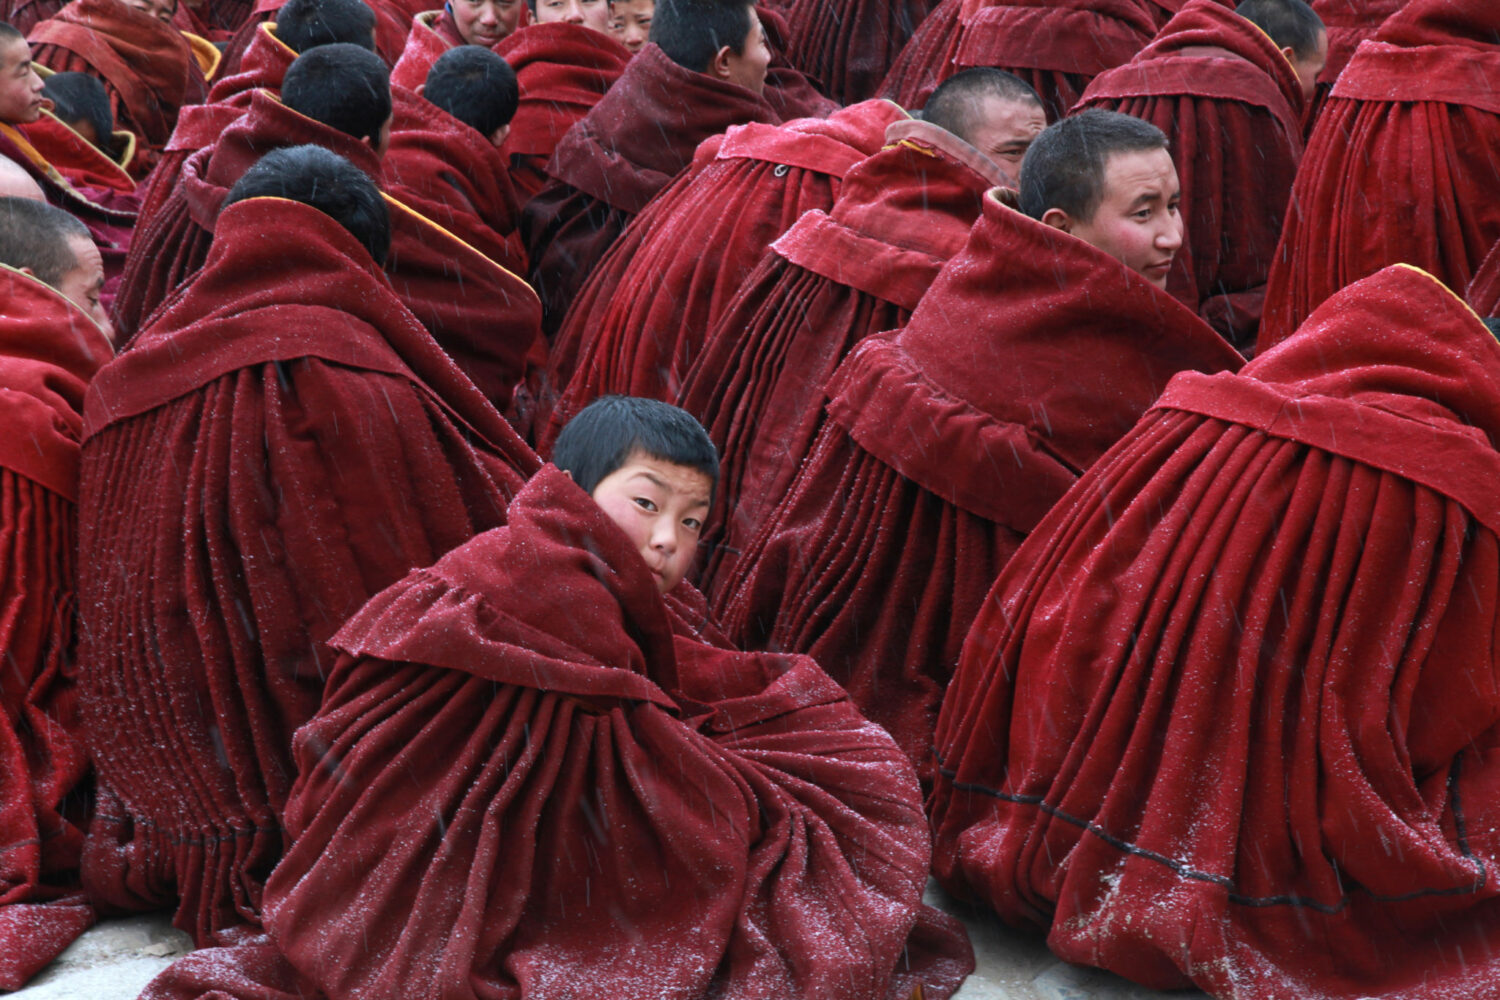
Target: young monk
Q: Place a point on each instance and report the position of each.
(533, 770)
(630, 22)
(1036, 347)
(81, 103)
(592, 14)
(53, 337)
(283, 440)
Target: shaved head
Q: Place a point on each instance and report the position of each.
(994, 111)
(15, 182)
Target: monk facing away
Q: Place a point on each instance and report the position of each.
(282, 441)
(1035, 349)
(53, 337)
(536, 774)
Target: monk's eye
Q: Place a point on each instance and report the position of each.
(645, 504)
(692, 524)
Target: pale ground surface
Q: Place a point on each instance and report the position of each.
(116, 959)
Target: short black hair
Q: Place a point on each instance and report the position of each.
(1290, 23)
(474, 85)
(604, 434)
(1064, 168)
(691, 32)
(956, 104)
(9, 32)
(326, 181)
(34, 234)
(305, 24)
(341, 85)
(80, 97)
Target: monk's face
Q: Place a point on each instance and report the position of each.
(1005, 129)
(632, 22)
(486, 22)
(587, 13)
(660, 506)
(748, 66)
(85, 282)
(162, 10)
(1309, 66)
(20, 87)
(1137, 220)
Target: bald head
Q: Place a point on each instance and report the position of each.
(15, 182)
(55, 248)
(994, 111)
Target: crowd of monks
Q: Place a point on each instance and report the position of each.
(1091, 410)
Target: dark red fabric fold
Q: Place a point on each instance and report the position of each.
(1483, 294)
(947, 442)
(637, 325)
(425, 45)
(831, 280)
(848, 45)
(269, 454)
(1230, 715)
(1397, 169)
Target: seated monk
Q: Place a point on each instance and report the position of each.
(835, 278)
(146, 64)
(280, 443)
(647, 291)
(80, 102)
(1229, 717)
(704, 71)
(1035, 349)
(711, 823)
(1398, 168)
(54, 336)
(1228, 89)
(1349, 22)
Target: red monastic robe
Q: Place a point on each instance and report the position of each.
(563, 70)
(834, 278)
(48, 352)
(1231, 105)
(425, 45)
(1483, 294)
(283, 441)
(638, 322)
(1349, 22)
(616, 158)
(1230, 715)
(848, 46)
(946, 442)
(711, 822)
(147, 66)
(1400, 167)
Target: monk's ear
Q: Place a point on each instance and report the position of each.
(27, 271)
(719, 66)
(1057, 219)
(497, 138)
(1291, 56)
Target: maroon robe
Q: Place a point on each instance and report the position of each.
(425, 45)
(616, 158)
(834, 278)
(848, 45)
(146, 65)
(638, 322)
(1231, 105)
(789, 92)
(263, 12)
(1483, 294)
(1230, 715)
(1349, 22)
(283, 441)
(946, 442)
(48, 352)
(759, 839)
(1399, 168)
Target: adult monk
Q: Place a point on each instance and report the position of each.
(661, 815)
(147, 65)
(1397, 169)
(647, 290)
(282, 441)
(836, 277)
(51, 343)
(704, 71)
(849, 45)
(1230, 715)
(1038, 345)
(1228, 88)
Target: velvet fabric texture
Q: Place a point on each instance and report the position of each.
(146, 65)
(711, 823)
(1483, 294)
(268, 455)
(834, 278)
(48, 352)
(639, 136)
(1231, 105)
(425, 44)
(1229, 717)
(1398, 168)
(639, 322)
(562, 70)
(848, 45)
(947, 441)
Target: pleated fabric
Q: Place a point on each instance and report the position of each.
(1229, 716)
(266, 457)
(1232, 106)
(638, 325)
(947, 442)
(834, 278)
(1400, 165)
(848, 46)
